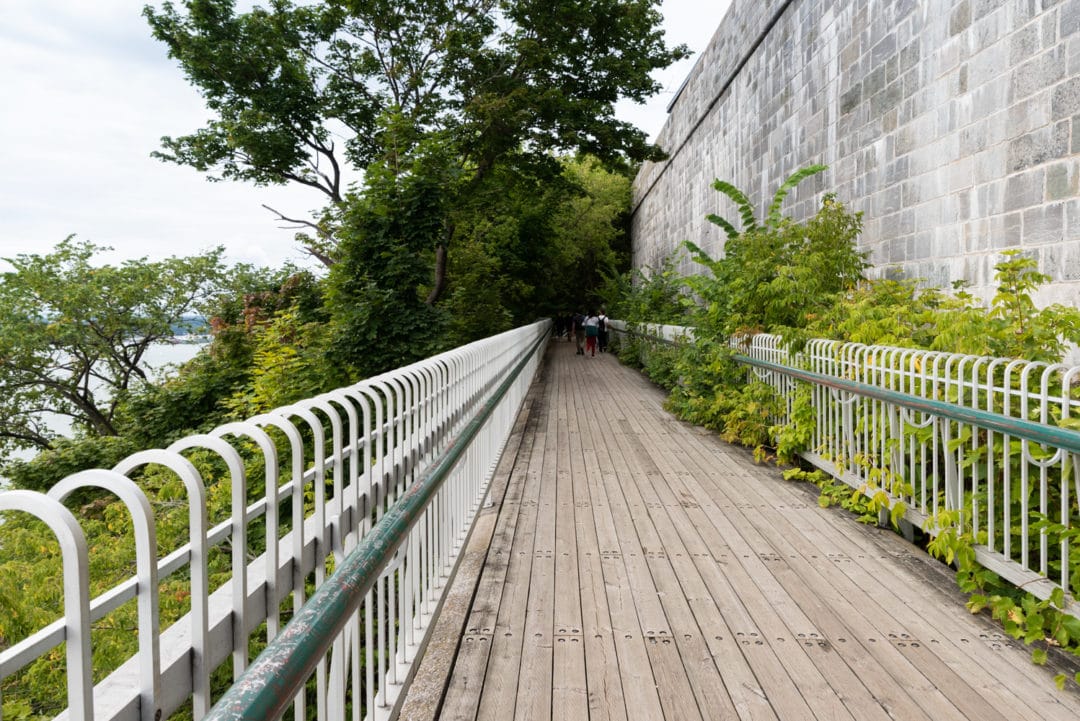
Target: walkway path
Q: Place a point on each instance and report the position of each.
(639, 568)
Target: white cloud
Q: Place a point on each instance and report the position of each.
(87, 94)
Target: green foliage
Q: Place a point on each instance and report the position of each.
(833, 493)
(476, 304)
(31, 564)
(779, 276)
(289, 364)
(647, 295)
(74, 334)
(379, 314)
(530, 245)
(316, 93)
(68, 456)
(899, 313)
(591, 239)
(773, 216)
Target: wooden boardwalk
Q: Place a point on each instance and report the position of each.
(639, 568)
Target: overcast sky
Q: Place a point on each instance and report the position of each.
(85, 95)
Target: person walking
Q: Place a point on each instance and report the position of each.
(592, 331)
(579, 332)
(602, 338)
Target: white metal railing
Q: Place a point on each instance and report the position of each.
(1017, 497)
(367, 443)
(985, 441)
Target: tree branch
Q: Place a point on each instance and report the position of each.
(298, 223)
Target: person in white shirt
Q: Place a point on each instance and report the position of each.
(592, 332)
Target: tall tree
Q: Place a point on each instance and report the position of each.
(74, 334)
(306, 93)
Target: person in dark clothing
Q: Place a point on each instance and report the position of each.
(602, 338)
(579, 332)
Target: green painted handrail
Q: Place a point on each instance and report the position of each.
(1019, 427)
(268, 686)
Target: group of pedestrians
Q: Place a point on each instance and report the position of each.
(588, 330)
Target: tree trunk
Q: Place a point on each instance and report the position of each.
(440, 274)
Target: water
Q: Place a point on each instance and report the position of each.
(158, 360)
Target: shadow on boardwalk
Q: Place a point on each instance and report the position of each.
(639, 568)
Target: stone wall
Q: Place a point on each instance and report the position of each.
(954, 125)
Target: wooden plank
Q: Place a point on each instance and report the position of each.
(499, 697)
(569, 693)
(751, 561)
(911, 604)
(466, 683)
(695, 634)
(768, 627)
(605, 693)
(836, 606)
(675, 579)
(925, 606)
(641, 696)
(700, 670)
(688, 599)
(535, 679)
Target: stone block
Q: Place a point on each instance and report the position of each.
(1038, 73)
(960, 19)
(921, 246)
(928, 215)
(1070, 18)
(1012, 232)
(851, 99)
(989, 97)
(897, 171)
(1035, 148)
(961, 174)
(988, 64)
(973, 138)
(1072, 219)
(1030, 114)
(909, 56)
(1062, 181)
(1075, 134)
(988, 31)
(849, 56)
(1023, 44)
(903, 8)
(1049, 30)
(1024, 190)
(988, 200)
(963, 205)
(896, 250)
(883, 50)
(892, 69)
(1044, 224)
(874, 82)
(886, 100)
(1066, 99)
(979, 8)
(1024, 10)
(1062, 262)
